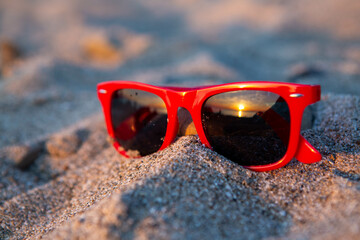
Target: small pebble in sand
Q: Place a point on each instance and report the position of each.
(9, 52)
(101, 50)
(63, 145)
(24, 155)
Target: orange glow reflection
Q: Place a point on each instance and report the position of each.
(241, 107)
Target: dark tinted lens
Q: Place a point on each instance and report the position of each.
(248, 127)
(139, 120)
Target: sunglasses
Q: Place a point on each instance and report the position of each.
(255, 124)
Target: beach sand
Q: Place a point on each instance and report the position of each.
(60, 178)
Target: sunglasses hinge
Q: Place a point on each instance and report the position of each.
(296, 95)
(102, 91)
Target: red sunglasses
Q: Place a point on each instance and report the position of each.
(255, 124)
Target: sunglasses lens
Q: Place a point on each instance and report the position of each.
(139, 121)
(248, 127)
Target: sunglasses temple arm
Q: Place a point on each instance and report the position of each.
(306, 153)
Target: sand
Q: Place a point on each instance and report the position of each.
(60, 178)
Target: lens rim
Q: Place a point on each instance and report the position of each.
(105, 94)
(305, 95)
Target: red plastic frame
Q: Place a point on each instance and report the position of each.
(297, 96)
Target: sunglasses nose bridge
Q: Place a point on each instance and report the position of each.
(183, 102)
(186, 99)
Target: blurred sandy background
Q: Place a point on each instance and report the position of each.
(54, 52)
